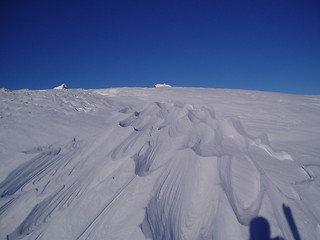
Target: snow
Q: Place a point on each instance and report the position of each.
(5, 90)
(62, 86)
(161, 85)
(157, 163)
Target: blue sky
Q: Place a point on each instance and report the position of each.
(269, 45)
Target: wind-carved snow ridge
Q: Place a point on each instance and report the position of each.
(204, 161)
(42, 175)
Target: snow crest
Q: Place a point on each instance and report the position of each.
(212, 161)
(62, 86)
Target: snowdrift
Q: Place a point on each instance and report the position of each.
(160, 163)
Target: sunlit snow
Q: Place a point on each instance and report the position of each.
(157, 163)
(161, 85)
(62, 86)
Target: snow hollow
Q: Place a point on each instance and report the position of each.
(158, 164)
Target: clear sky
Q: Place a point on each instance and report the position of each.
(269, 45)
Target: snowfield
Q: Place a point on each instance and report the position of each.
(157, 163)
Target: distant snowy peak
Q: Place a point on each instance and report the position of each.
(62, 86)
(162, 85)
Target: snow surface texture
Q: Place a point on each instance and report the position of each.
(159, 163)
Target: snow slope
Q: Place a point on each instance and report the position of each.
(158, 163)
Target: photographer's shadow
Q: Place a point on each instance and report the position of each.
(260, 227)
(260, 230)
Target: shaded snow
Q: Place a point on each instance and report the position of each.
(161, 163)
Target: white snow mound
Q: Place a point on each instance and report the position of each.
(139, 164)
(62, 86)
(161, 85)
